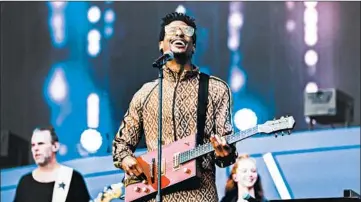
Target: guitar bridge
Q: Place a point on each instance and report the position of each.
(176, 164)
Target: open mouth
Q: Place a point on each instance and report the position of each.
(179, 43)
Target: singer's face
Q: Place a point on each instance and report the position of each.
(41, 147)
(178, 38)
(246, 175)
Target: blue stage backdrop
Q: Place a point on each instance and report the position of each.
(76, 66)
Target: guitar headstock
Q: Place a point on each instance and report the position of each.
(278, 125)
(114, 191)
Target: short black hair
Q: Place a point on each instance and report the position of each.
(175, 16)
(54, 136)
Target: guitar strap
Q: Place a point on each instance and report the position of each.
(202, 106)
(62, 184)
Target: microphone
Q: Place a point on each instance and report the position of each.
(163, 59)
(249, 198)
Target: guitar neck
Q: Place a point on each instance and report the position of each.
(207, 148)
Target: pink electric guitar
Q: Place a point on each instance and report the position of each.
(178, 159)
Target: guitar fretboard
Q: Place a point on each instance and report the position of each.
(206, 148)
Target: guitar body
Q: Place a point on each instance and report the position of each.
(185, 150)
(171, 175)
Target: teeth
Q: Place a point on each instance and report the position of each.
(178, 42)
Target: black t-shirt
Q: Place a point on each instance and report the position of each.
(31, 190)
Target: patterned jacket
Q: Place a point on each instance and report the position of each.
(180, 97)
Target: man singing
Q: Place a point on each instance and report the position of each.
(180, 104)
(50, 181)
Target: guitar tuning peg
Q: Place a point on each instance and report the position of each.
(282, 133)
(276, 134)
(289, 132)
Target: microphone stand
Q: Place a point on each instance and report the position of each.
(159, 65)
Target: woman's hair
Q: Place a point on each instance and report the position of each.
(231, 185)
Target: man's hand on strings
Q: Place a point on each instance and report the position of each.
(220, 145)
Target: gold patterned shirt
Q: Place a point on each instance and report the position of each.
(179, 113)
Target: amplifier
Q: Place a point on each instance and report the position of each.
(329, 106)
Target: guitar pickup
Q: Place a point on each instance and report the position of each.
(176, 164)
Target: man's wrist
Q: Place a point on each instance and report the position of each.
(119, 163)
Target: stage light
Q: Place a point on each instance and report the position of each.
(91, 140)
(235, 20)
(311, 28)
(57, 87)
(310, 4)
(237, 79)
(94, 14)
(93, 49)
(311, 87)
(308, 120)
(311, 37)
(58, 25)
(93, 110)
(181, 9)
(109, 16)
(57, 21)
(108, 31)
(94, 42)
(290, 5)
(57, 28)
(94, 36)
(245, 118)
(57, 4)
(290, 25)
(310, 16)
(233, 42)
(235, 6)
(311, 57)
(63, 149)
